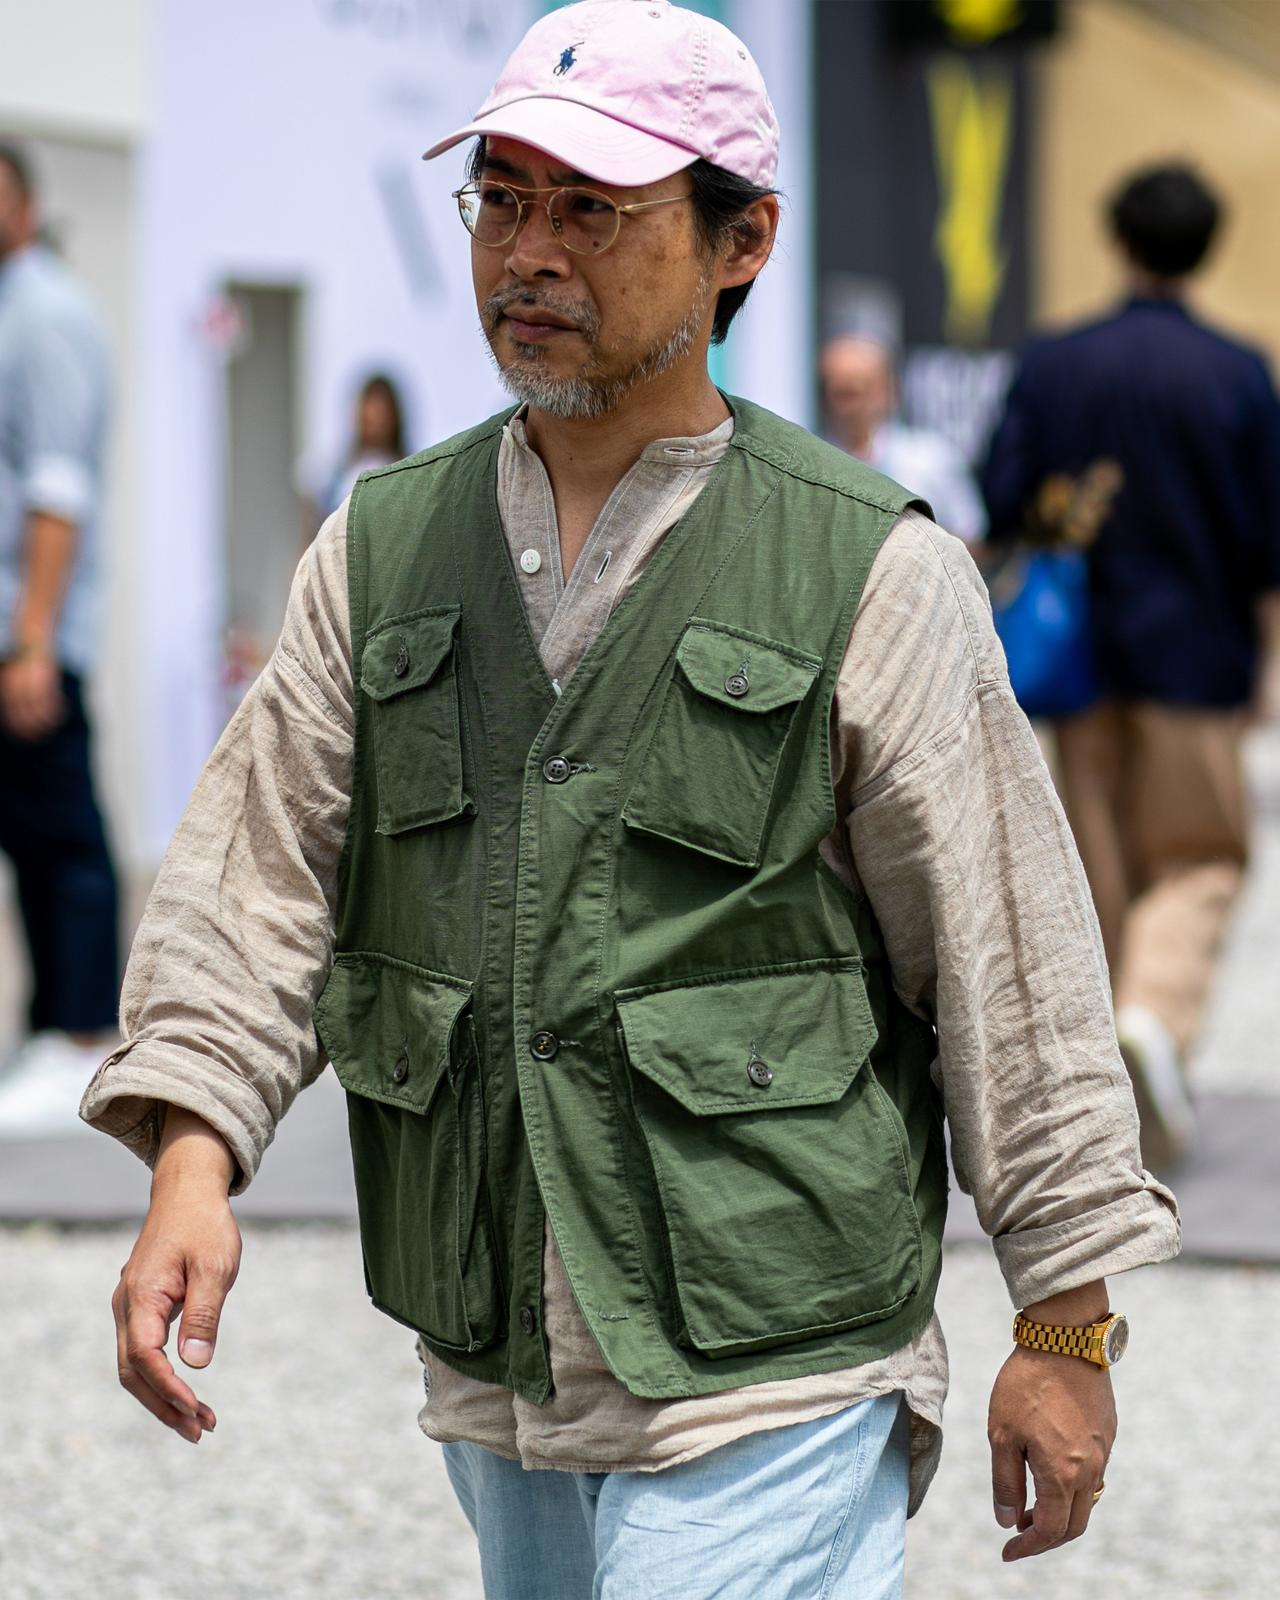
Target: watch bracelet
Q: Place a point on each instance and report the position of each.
(1058, 1340)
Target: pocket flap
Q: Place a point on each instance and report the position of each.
(407, 652)
(808, 1025)
(387, 1026)
(742, 670)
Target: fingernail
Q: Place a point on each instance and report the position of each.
(1006, 1516)
(197, 1352)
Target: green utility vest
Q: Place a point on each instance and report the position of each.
(590, 965)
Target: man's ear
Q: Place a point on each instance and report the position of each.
(750, 243)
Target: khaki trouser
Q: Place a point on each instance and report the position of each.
(1156, 799)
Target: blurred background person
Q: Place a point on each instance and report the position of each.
(1184, 591)
(377, 439)
(860, 398)
(53, 415)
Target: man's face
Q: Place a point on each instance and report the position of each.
(857, 380)
(15, 212)
(573, 334)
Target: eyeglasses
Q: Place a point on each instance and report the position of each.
(583, 220)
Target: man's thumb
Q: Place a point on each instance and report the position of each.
(198, 1330)
(1008, 1484)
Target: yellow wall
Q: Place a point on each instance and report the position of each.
(1118, 89)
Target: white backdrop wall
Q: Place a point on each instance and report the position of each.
(284, 148)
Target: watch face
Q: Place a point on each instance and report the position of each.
(1116, 1341)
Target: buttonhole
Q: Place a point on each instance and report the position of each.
(604, 566)
(677, 450)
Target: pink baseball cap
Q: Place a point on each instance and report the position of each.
(630, 91)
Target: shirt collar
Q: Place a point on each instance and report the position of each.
(677, 453)
(19, 262)
(1155, 302)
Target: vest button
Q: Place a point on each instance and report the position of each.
(543, 1046)
(556, 770)
(736, 684)
(401, 1069)
(759, 1072)
(527, 1320)
(401, 663)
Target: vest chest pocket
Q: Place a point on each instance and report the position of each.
(408, 672)
(781, 1166)
(401, 1042)
(707, 777)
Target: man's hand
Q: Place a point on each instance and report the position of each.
(1056, 1415)
(31, 703)
(186, 1259)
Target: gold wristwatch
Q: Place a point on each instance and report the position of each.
(1103, 1342)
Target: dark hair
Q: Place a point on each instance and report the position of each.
(380, 383)
(18, 162)
(1165, 217)
(720, 202)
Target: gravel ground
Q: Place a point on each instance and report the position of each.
(318, 1485)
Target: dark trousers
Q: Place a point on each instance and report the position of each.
(51, 830)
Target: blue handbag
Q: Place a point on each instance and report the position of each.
(1040, 605)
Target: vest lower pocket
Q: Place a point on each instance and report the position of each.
(707, 777)
(402, 1044)
(407, 671)
(780, 1164)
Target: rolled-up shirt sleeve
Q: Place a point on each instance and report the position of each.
(237, 937)
(957, 837)
(65, 395)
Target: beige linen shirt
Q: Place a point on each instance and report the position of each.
(949, 823)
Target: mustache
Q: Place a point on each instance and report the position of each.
(582, 314)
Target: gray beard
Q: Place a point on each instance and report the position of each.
(590, 395)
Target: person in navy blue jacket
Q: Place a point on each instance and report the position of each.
(1167, 434)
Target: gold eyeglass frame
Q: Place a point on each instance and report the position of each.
(552, 191)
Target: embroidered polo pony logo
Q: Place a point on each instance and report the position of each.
(568, 59)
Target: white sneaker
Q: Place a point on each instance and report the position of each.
(1165, 1112)
(42, 1086)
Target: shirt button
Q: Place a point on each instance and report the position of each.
(401, 1069)
(736, 685)
(530, 560)
(527, 1320)
(401, 663)
(543, 1046)
(760, 1073)
(556, 770)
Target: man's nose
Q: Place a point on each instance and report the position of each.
(536, 250)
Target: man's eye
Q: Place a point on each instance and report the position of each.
(589, 205)
(497, 199)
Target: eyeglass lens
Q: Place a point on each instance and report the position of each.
(583, 220)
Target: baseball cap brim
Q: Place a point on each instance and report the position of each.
(586, 140)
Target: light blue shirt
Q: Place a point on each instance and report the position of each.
(932, 467)
(53, 418)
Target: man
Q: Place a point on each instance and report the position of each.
(53, 409)
(860, 396)
(1183, 426)
(626, 891)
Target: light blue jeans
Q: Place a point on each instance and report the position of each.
(815, 1511)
